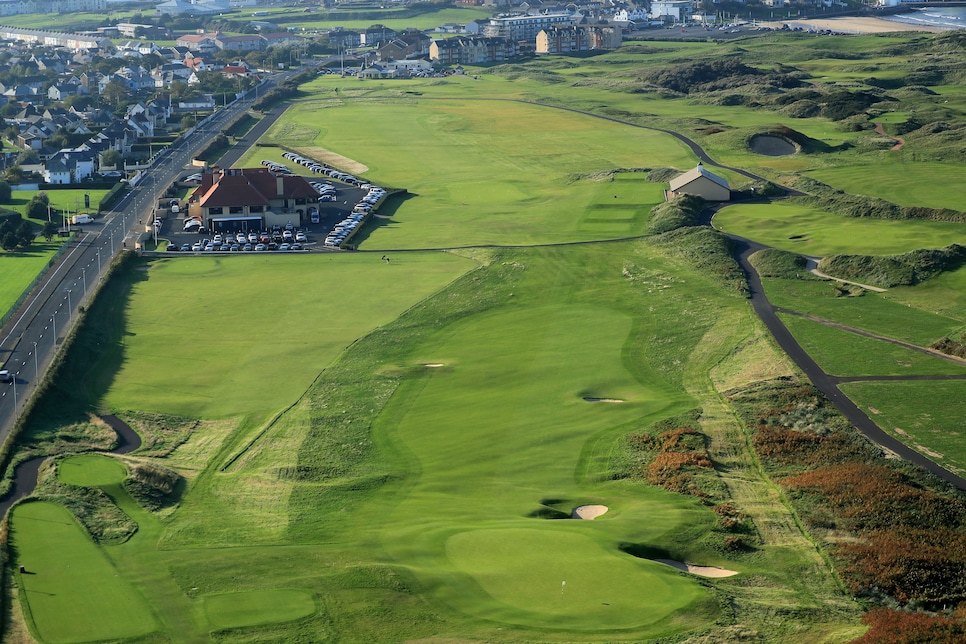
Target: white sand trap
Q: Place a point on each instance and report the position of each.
(433, 364)
(588, 512)
(701, 571)
(604, 400)
(334, 159)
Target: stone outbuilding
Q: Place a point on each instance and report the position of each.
(700, 183)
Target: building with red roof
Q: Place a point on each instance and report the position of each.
(233, 199)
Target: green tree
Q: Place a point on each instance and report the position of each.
(25, 234)
(9, 241)
(115, 93)
(6, 192)
(49, 230)
(187, 122)
(37, 206)
(111, 158)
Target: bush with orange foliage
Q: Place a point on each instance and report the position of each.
(871, 497)
(924, 567)
(887, 626)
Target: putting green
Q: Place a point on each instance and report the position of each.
(236, 610)
(91, 470)
(567, 580)
(71, 592)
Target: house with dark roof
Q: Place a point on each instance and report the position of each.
(233, 199)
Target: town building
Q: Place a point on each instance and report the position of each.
(526, 27)
(563, 40)
(468, 50)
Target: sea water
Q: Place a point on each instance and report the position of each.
(935, 17)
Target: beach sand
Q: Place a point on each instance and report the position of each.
(850, 24)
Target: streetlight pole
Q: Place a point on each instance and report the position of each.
(16, 413)
(70, 311)
(98, 261)
(53, 322)
(84, 279)
(112, 242)
(36, 365)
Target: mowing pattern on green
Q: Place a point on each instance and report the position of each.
(71, 591)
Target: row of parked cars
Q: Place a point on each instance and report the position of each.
(287, 238)
(360, 211)
(321, 168)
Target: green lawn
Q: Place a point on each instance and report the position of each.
(62, 202)
(507, 194)
(842, 353)
(197, 350)
(810, 231)
(873, 312)
(238, 610)
(72, 592)
(904, 181)
(927, 416)
(21, 267)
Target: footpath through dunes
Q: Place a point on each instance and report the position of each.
(825, 383)
(25, 474)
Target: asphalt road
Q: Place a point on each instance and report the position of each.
(825, 383)
(30, 339)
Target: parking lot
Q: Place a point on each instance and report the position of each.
(344, 204)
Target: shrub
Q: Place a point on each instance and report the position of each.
(888, 626)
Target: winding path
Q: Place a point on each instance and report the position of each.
(825, 383)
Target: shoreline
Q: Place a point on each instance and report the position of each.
(852, 25)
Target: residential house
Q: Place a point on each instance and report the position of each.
(407, 45)
(573, 38)
(344, 38)
(69, 166)
(377, 35)
(524, 28)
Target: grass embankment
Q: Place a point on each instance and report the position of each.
(808, 230)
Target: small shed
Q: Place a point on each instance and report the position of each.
(700, 183)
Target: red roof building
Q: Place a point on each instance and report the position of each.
(234, 199)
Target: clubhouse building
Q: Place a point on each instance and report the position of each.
(251, 199)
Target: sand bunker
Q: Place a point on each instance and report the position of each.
(701, 571)
(606, 400)
(433, 364)
(589, 512)
(772, 146)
